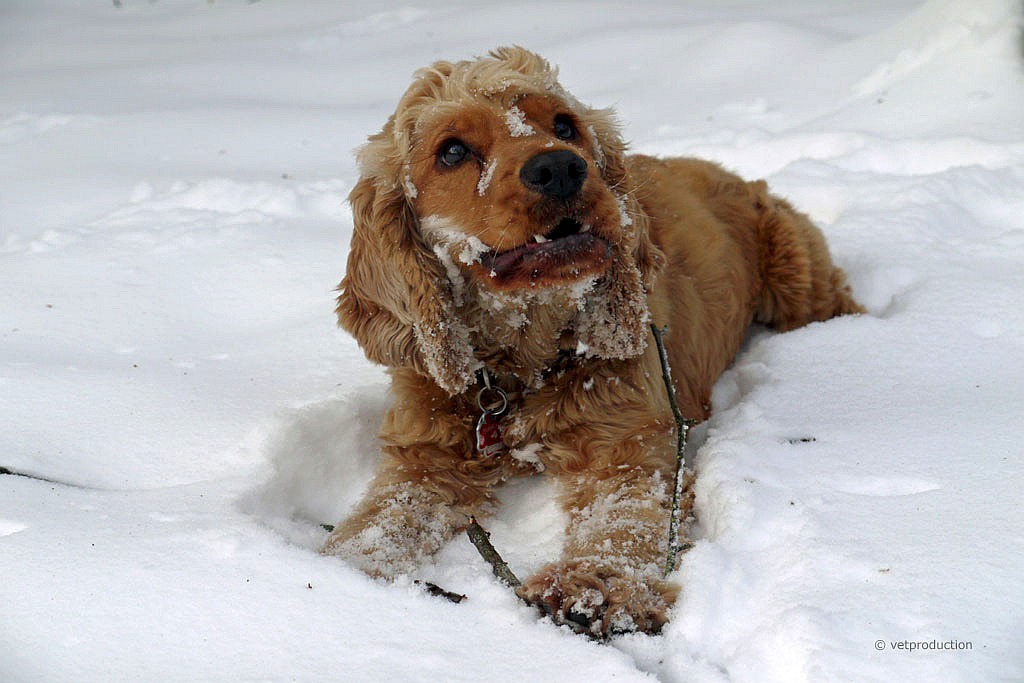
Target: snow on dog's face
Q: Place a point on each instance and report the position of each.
(519, 183)
(489, 173)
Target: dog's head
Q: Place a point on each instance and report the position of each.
(490, 177)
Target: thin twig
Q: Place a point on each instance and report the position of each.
(16, 473)
(682, 431)
(481, 539)
(434, 589)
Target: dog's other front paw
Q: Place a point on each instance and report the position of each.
(373, 551)
(394, 532)
(600, 600)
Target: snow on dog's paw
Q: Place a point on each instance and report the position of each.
(598, 600)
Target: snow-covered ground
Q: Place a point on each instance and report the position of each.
(172, 223)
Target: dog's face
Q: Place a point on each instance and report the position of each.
(490, 173)
(515, 187)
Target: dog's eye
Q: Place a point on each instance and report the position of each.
(564, 127)
(453, 153)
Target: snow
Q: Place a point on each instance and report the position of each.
(486, 176)
(529, 454)
(411, 190)
(172, 227)
(516, 121)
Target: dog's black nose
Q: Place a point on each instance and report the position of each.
(559, 174)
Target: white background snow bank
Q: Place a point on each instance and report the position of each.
(172, 178)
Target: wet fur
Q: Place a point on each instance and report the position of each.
(691, 247)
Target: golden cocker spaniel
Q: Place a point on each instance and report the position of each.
(507, 259)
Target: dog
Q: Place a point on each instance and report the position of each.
(507, 260)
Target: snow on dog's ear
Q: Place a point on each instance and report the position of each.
(395, 299)
(609, 147)
(610, 156)
(615, 323)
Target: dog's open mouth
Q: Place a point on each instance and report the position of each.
(568, 251)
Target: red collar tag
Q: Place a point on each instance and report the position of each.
(492, 402)
(488, 435)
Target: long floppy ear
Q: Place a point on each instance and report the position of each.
(612, 159)
(395, 298)
(617, 316)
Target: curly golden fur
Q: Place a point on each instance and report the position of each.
(501, 228)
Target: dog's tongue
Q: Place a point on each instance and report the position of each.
(552, 259)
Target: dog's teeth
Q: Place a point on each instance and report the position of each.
(540, 239)
(585, 227)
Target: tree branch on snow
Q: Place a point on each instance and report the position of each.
(48, 480)
(437, 591)
(482, 541)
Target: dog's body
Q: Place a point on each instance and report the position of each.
(502, 235)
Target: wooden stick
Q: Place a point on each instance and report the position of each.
(682, 431)
(481, 540)
(435, 590)
(25, 475)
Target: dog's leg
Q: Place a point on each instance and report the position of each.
(428, 485)
(610, 578)
(616, 475)
(398, 526)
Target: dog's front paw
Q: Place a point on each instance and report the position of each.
(372, 551)
(394, 532)
(600, 600)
